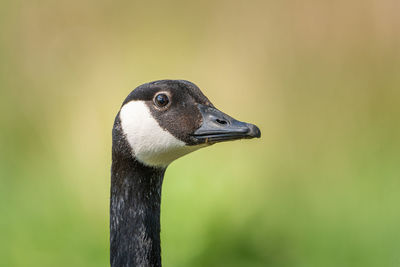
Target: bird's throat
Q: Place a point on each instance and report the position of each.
(135, 213)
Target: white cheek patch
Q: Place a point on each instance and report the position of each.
(151, 144)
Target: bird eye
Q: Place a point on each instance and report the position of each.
(161, 100)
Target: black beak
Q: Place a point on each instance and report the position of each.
(219, 127)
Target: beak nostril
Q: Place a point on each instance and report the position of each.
(221, 121)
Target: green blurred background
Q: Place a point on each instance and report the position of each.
(320, 78)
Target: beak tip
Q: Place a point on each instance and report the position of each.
(254, 131)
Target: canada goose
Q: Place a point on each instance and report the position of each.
(157, 123)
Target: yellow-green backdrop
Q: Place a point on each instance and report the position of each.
(320, 78)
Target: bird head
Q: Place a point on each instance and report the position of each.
(164, 120)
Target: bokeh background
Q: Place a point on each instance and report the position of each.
(320, 78)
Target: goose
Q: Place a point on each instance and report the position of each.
(157, 123)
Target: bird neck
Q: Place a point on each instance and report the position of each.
(135, 213)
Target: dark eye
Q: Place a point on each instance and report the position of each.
(161, 100)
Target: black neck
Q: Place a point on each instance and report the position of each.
(134, 213)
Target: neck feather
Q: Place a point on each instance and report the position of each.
(134, 213)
